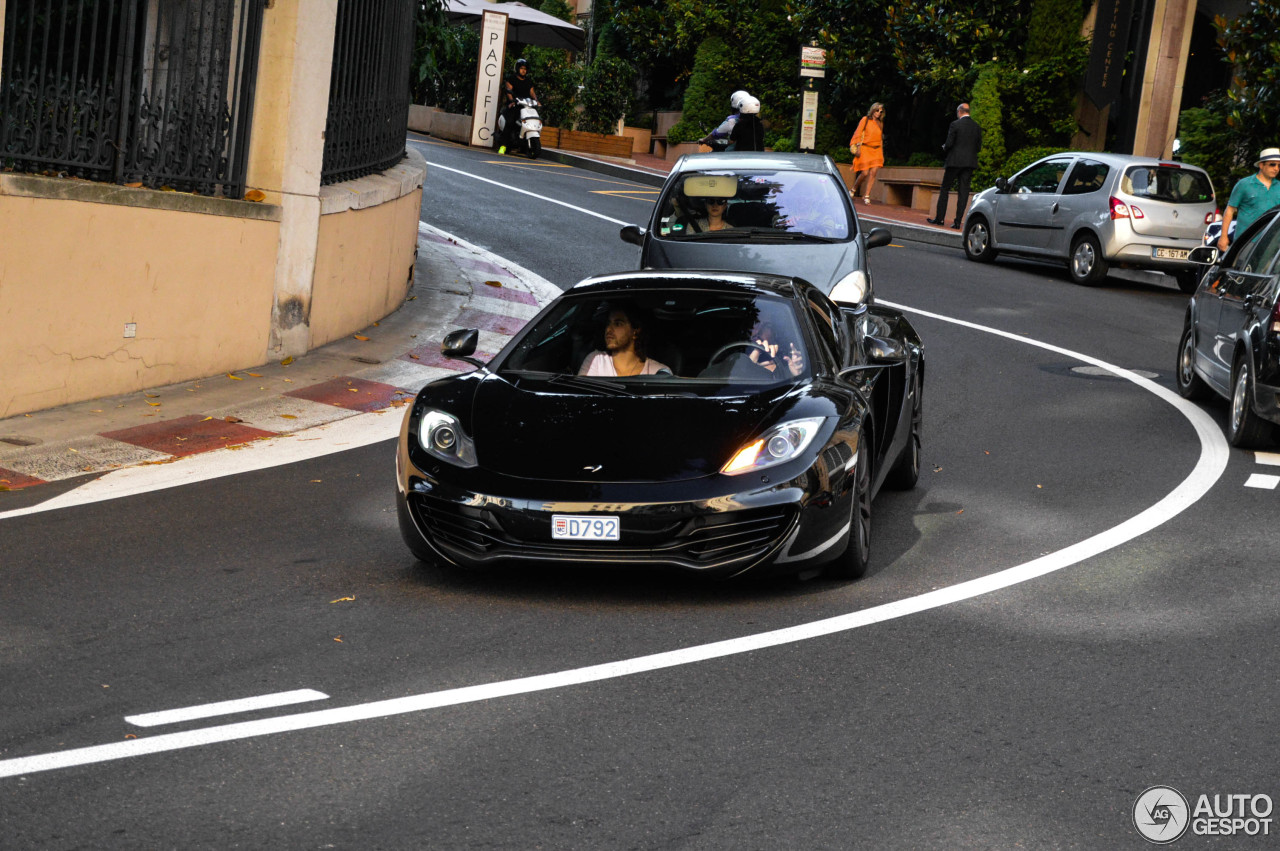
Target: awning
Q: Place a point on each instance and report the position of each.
(524, 24)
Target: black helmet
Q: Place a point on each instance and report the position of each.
(522, 63)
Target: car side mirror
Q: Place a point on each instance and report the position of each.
(876, 237)
(1206, 255)
(884, 350)
(633, 234)
(461, 345)
(1002, 185)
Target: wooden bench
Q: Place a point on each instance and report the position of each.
(915, 193)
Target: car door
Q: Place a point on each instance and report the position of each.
(1026, 216)
(1221, 307)
(1082, 201)
(1246, 283)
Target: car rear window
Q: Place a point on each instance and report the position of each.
(1167, 183)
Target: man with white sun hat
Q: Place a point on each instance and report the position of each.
(1252, 196)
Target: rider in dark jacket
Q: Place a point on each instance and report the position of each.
(518, 85)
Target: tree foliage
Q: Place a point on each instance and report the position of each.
(986, 108)
(1251, 46)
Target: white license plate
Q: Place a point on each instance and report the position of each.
(1171, 253)
(570, 527)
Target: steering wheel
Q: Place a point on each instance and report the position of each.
(739, 344)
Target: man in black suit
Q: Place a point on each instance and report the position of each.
(964, 140)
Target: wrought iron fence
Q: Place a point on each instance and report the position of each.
(369, 88)
(154, 92)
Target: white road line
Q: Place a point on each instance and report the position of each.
(225, 707)
(1270, 459)
(510, 188)
(1207, 470)
(1258, 480)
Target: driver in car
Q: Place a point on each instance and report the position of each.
(769, 344)
(624, 347)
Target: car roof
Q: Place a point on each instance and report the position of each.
(1122, 160)
(675, 279)
(750, 160)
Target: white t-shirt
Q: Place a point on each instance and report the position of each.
(600, 363)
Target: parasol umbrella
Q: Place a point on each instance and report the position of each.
(524, 24)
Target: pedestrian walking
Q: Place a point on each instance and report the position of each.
(1252, 196)
(867, 147)
(964, 140)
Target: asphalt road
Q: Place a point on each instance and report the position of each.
(1031, 715)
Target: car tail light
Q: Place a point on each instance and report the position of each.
(1121, 210)
(1210, 218)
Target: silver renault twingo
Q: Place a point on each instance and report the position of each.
(1096, 210)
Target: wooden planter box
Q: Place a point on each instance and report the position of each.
(594, 143)
(641, 139)
(675, 152)
(550, 137)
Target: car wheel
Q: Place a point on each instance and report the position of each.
(535, 147)
(1087, 265)
(1244, 427)
(852, 563)
(906, 470)
(1188, 280)
(1190, 385)
(977, 240)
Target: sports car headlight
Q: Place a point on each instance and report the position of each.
(851, 289)
(441, 435)
(776, 446)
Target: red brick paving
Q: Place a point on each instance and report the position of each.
(429, 355)
(486, 321)
(9, 480)
(188, 435)
(354, 394)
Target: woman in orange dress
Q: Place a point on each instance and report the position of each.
(867, 147)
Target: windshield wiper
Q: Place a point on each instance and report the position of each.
(737, 234)
(582, 382)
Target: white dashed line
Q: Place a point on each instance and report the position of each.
(226, 707)
(1259, 480)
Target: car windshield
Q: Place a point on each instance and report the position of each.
(693, 340)
(741, 206)
(1167, 183)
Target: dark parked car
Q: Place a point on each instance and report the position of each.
(775, 418)
(1231, 338)
(782, 214)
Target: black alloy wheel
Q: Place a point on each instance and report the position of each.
(852, 563)
(1087, 265)
(1245, 428)
(977, 240)
(906, 470)
(1190, 385)
(1188, 280)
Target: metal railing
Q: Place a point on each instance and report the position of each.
(157, 93)
(369, 88)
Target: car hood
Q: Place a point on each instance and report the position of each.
(821, 264)
(538, 430)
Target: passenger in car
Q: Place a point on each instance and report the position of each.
(624, 350)
(714, 219)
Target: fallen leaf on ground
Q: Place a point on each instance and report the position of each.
(255, 195)
(493, 283)
(154, 404)
(152, 395)
(338, 639)
(415, 357)
(236, 377)
(288, 417)
(254, 374)
(287, 361)
(206, 419)
(360, 337)
(342, 600)
(232, 419)
(316, 481)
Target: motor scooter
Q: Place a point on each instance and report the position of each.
(530, 139)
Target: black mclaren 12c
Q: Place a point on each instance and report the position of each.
(714, 422)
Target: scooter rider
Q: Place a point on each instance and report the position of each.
(518, 85)
(718, 138)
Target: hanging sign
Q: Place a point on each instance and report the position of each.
(1106, 56)
(813, 62)
(488, 102)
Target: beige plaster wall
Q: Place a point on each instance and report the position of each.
(73, 273)
(364, 266)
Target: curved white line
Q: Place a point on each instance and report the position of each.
(1212, 462)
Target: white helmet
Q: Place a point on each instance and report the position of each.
(750, 105)
(736, 99)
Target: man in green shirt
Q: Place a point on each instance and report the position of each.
(1252, 196)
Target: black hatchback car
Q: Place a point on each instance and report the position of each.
(1230, 341)
(757, 435)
